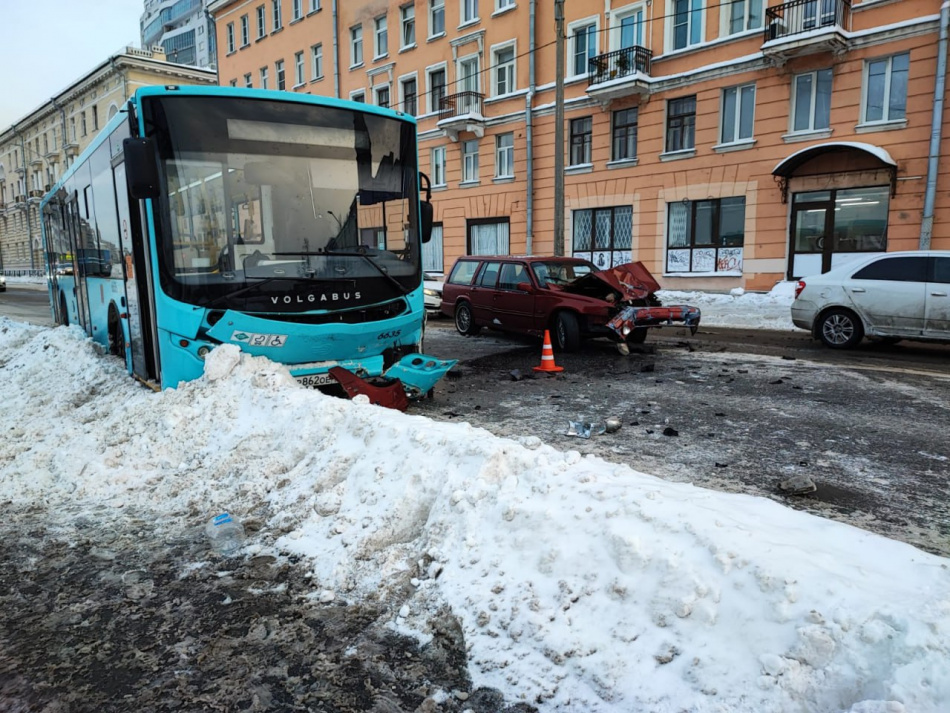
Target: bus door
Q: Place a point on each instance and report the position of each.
(134, 250)
(74, 227)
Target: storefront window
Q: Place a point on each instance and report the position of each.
(861, 220)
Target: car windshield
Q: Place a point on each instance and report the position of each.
(560, 272)
(258, 190)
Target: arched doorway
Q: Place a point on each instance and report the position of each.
(840, 198)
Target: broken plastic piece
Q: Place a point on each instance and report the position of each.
(584, 429)
(391, 395)
(419, 373)
(630, 318)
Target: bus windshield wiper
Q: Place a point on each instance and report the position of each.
(242, 290)
(347, 253)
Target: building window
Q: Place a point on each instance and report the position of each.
(811, 101)
(504, 70)
(82, 120)
(410, 103)
(230, 33)
(687, 23)
(436, 88)
(503, 5)
(469, 11)
(624, 145)
(298, 9)
(432, 254)
(263, 77)
(436, 18)
(356, 46)
(582, 47)
(298, 69)
(505, 155)
(468, 81)
(603, 235)
(382, 95)
(885, 88)
(581, 130)
(261, 21)
(469, 161)
(233, 82)
(681, 124)
(745, 15)
(316, 61)
(488, 236)
(95, 124)
(738, 114)
(706, 236)
(407, 20)
(247, 80)
(358, 96)
(438, 166)
(314, 5)
(275, 6)
(245, 31)
(381, 47)
(279, 71)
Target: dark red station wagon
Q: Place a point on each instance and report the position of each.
(568, 296)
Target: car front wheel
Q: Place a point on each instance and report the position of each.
(840, 329)
(567, 333)
(464, 322)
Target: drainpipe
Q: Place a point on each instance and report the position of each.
(336, 51)
(529, 102)
(930, 194)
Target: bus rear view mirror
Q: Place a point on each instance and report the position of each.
(141, 168)
(425, 220)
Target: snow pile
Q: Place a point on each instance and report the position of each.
(580, 585)
(755, 310)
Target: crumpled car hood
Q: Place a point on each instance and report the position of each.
(632, 280)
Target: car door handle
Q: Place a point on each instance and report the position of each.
(938, 294)
(857, 289)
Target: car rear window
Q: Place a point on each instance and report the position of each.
(490, 274)
(895, 269)
(463, 272)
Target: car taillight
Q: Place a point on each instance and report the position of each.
(799, 287)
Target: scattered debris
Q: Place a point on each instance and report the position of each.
(634, 423)
(515, 375)
(585, 429)
(788, 358)
(670, 431)
(454, 373)
(798, 485)
(612, 425)
(721, 465)
(623, 349)
(648, 367)
(776, 381)
(719, 413)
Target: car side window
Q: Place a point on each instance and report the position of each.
(942, 270)
(895, 269)
(490, 274)
(511, 274)
(463, 272)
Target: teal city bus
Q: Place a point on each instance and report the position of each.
(290, 225)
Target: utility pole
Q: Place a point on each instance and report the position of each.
(559, 132)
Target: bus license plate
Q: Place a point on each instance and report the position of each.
(312, 380)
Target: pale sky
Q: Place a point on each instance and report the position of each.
(46, 46)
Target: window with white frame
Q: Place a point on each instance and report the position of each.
(356, 45)
(408, 88)
(469, 161)
(582, 46)
(738, 114)
(687, 21)
(436, 18)
(261, 21)
(503, 74)
(407, 21)
(468, 76)
(469, 11)
(264, 78)
(316, 61)
(247, 80)
(279, 72)
(436, 80)
(314, 5)
(505, 155)
(628, 28)
(245, 31)
(811, 101)
(432, 255)
(488, 236)
(885, 88)
(624, 143)
(437, 158)
(382, 95)
(744, 15)
(358, 96)
(298, 9)
(706, 235)
(503, 5)
(230, 34)
(381, 37)
(298, 69)
(275, 15)
(581, 130)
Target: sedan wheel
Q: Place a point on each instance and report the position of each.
(463, 320)
(840, 329)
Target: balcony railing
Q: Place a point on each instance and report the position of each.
(618, 64)
(804, 16)
(461, 104)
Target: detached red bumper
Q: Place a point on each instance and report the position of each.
(630, 318)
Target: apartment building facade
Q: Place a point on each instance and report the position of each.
(725, 145)
(182, 28)
(37, 149)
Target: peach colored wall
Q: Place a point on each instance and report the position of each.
(652, 183)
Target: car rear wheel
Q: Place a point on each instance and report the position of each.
(567, 333)
(637, 336)
(840, 329)
(463, 320)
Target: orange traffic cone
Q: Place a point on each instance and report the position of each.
(547, 356)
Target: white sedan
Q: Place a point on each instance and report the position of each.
(432, 293)
(900, 295)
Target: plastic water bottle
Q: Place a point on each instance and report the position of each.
(225, 533)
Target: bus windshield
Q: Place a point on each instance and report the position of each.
(259, 192)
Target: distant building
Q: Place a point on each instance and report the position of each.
(37, 149)
(182, 28)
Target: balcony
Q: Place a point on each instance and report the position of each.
(52, 156)
(37, 161)
(621, 73)
(72, 149)
(460, 113)
(803, 27)
(36, 196)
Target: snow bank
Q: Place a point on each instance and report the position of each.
(580, 585)
(754, 310)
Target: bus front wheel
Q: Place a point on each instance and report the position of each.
(63, 312)
(116, 338)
